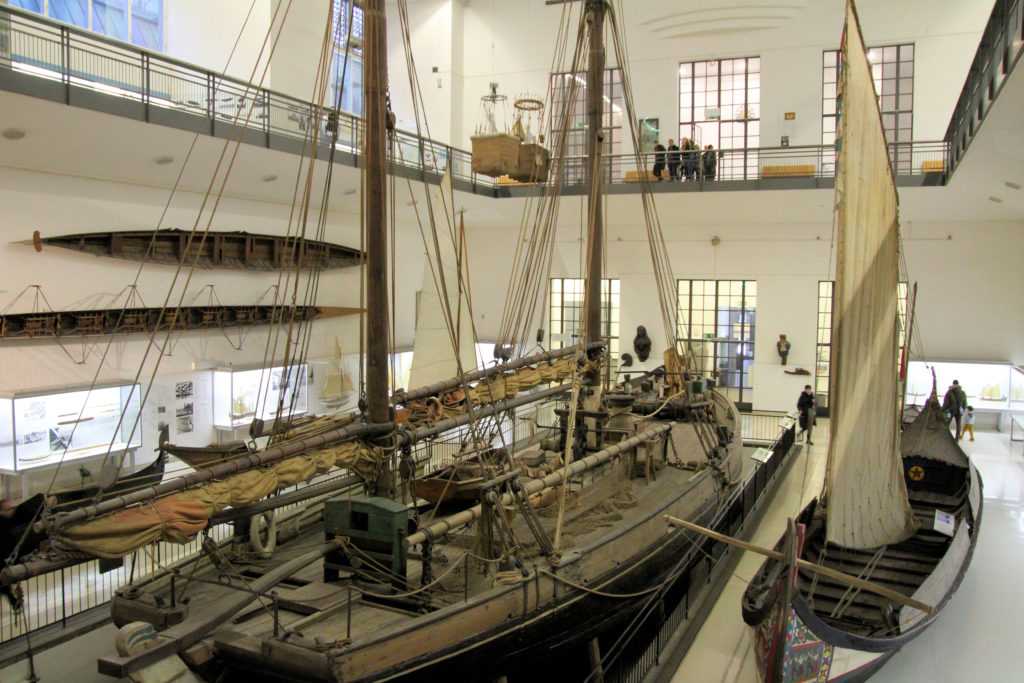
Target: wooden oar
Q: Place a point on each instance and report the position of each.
(810, 566)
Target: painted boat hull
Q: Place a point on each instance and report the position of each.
(816, 651)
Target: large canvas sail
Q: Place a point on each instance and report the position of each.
(433, 357)
(865, 494)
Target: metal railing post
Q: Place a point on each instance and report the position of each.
(65, 42)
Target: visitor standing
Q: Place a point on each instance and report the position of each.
(709, 162)
(968, 423)
(659, 159)
(807, 405)
(673, 160)
(953, 404)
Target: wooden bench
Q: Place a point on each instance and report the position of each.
(637, 176)
(933, 166)
(791, 171)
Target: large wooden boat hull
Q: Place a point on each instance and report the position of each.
(494, 632)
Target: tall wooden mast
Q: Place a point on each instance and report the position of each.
(595, 137)
(375, 120)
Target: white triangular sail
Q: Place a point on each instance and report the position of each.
(337, 387)
(865, 494)
(433, 357)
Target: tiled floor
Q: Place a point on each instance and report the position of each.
(977, 637)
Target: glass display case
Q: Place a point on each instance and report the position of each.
(988, 385)
(241, 396)
(1016, 389)
(37, 430)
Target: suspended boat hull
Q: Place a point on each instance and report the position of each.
(814, 644)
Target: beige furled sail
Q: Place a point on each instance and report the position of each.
(865, 494)
(433, 357)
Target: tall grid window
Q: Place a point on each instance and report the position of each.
(721, 316)
(347, 96)
(564, 102)
(140, 22)
(824, 344)
(720, 105)
(892, 69)
(567, 310)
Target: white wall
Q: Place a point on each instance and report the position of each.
(789, 39)
(968, 284)
(204, 33)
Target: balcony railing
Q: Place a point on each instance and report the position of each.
(1001, 46)
(762, 163)
(159, 89)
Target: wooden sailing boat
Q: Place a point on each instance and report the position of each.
(338, 388)
(899, 510)
(992, 392)
(389, 601)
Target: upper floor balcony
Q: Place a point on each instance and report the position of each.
(47, 59)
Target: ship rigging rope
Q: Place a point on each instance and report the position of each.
(664, 277)
(452, 321)
(301, 342)
(129, 300)
(531, 264)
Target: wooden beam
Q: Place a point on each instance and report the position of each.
(842, 577)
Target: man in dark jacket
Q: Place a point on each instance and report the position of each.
(807, 405)
(659, 159)
(954, 403)
(673, 160)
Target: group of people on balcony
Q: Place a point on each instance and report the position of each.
(685, 161)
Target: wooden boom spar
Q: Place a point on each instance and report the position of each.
(804, 564)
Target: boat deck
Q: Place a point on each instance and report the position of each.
(902, 567)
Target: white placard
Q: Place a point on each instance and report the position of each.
(944, 523)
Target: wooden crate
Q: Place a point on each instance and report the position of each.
(495, 155)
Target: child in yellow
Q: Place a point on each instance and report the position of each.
(968, 423)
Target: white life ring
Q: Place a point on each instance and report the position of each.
(263, 548)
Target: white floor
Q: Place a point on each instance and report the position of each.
(979, 634)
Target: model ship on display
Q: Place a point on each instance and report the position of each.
(556, 540)
(992, 392)
(899, 511)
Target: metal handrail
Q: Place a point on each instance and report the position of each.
(49, 49)
(1001, 46)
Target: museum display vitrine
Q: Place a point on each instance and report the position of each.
(241, 396)
(48, 428)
